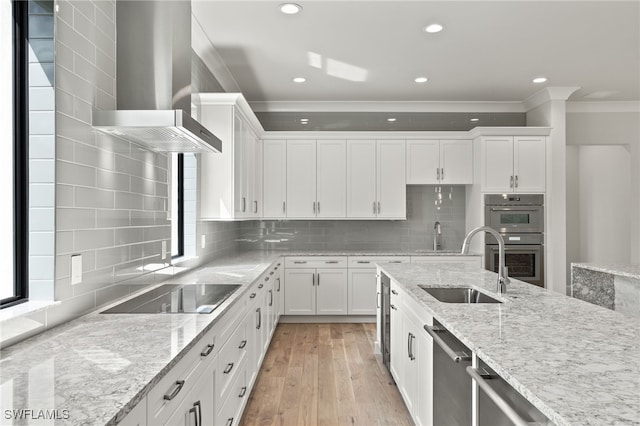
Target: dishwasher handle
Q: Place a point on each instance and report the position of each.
(455, 356)
(496, 398)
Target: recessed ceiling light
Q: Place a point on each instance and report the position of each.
(421, 79)
(433, 28)
(299, 80)
(474, 119)
(540, 79)
(391, 120)
(290, 8)
(303, 120)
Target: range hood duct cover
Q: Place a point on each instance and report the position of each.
(154, 80)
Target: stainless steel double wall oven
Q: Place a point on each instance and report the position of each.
(519, 218)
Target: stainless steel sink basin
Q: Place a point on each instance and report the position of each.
(459, 295)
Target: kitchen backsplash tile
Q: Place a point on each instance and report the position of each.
(415, 233)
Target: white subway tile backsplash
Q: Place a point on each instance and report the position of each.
(155, 203)
(71, 128)
(41, 289)
(42, 243)
(113, 144)
(64, 58)
(82, 110)
(104, 101)
(142, 218)
(106, 63)
(64, 242)
(41, 75)
(91, 156)
(90, 239)
(112, 256)
(41, 170)
(42, 195)
(75, 218)
(113, 218)
(84, 69)
(83, 25)
(64, 195)
(128, 236)
(41, 122)
(64, 11)
(41, 99)
(87, 8)
(74, 40)
(105, 24)
(64, 102)
(75, 174)
(142, 186)
(42, 146)
(41, 219)
(113, 180)
(129, 166)
(41, 267)
(93, 197)
(129, 201)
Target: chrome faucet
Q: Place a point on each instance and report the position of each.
(437, 232)
(503, 273)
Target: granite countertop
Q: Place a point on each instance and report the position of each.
(624, 270)
(576, 362)
(376, 252)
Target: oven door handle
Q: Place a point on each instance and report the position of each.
(517, 209)
(516, 247)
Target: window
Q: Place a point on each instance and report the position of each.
(177, 205)
(13, 150)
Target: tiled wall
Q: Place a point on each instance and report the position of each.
(415, 233)
(41, 151)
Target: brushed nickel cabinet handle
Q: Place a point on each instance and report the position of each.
(243, 344)
(207, 350)
(284, 207)
(229, 368)
(243, 392)
(179, 384)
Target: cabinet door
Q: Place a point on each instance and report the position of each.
(529, 163)
(301, 178)
(456, 162)
(391, 179)
(254, 347)
(398, 344)
(137, 416)
(497, 164)
(198, 406)
(361, 179)
(299, 292)
(249, 172)
(275, 178)
(240, 196)
(362, 297)
(408, 388)
(423, 161)
(331, 292)
(423, 401)
(331, 179)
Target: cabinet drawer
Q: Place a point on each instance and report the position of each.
(231, 355)
(370, 261)
(230, 410)
(166, 396)
(315, 262)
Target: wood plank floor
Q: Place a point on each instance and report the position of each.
(324, 374)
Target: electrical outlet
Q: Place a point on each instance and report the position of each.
(76, 269)
(203, 241)
(164, 249)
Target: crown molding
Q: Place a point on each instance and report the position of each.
(603, 106)
(385, 106)
(471, 134)
(548, 94)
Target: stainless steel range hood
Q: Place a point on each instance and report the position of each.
(154, 79)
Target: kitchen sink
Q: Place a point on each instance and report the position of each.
(459, 295)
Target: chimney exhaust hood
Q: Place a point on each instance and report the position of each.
(154, 80)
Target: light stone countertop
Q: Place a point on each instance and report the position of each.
(99, 366)
(576, 362)
(623, 270)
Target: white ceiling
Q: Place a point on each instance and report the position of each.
(372, 50)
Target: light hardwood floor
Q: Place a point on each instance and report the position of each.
(324, 374)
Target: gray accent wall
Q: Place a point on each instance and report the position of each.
(415, 233)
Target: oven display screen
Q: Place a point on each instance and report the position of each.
(514, 218)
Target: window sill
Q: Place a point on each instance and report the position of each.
(24, 309)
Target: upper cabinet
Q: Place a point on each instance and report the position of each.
(376, 182)
(231, 182)
(439, 162)
(274, 179)
(513, 163)
(316, 179)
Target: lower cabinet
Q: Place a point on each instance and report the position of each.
(412, 357)
(198, 406)
(315, 291)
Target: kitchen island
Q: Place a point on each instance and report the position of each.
(574, 361)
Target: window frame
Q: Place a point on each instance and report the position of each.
(20, 154)
(180, 212)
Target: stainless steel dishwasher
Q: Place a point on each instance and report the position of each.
(451, 383)
(499, 404)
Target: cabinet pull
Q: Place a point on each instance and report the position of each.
(259, 312)
(270, 297)
(378, 300)
(244, 204)
(409, 345)
(255, 206)
(243, 392)
(442, 174)
(374, 207)
(260, 285)
(410, 349)
(266, 279)
(298, 262)
(284, 207)
(271, 273)
(314, 207)
(278, 284)
(394, 292)
(229, 421)
(331, 261)
(313, 279)
(318, 207)
(318, 284)
(252, 296)
(455, 356)
(437, 173)
(393, 307)
(395, 261)
(378, 207)
(516, 181)
(511, 181)
(179, 384)
(197, 411)
(363, 261)
(229, 368)
(242, 344)
(207, 350)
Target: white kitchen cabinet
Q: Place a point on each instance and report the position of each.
(137, 416)
(513, 164)
(198, 407)
(316, 179)
(376, 179)
(274, 179)
(231, 180)
(315, 285)
(439, 162)
(362, 294)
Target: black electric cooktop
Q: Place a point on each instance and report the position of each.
(177, 299)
